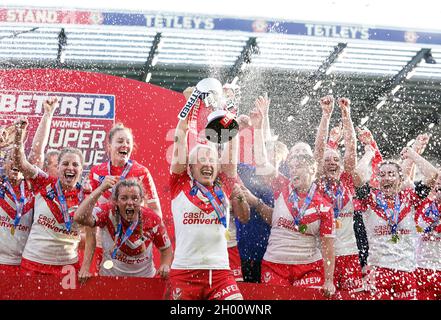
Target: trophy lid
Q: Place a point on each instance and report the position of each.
(210, 85)
(221, 127)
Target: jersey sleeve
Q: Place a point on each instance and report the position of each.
(278, 184)
(41, 180)
(227, 183)
(348, 182)
(177, 182)
(94, 178)
(421, 208)
(327, 225)
(101, 214)
(362, 198)
(149, 186)
(157, 231)
(417, 196)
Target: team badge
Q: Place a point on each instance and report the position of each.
(177, 293)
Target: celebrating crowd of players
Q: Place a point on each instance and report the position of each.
(304, 217)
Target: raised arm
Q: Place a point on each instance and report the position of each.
(350, 158)
(41, 137)
(263, 166)
(230, 156)
(420, 144)
(364, 169)
(327, 104)
(427, 169)
(18, 154)
(180, 148)
(263, 103)
(83, 215)
(366, 138)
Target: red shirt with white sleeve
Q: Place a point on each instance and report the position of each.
(49, 241)
(12, 245)
(428, 252)
(138, 171)
(382, 251)
(345, 241)
(200, 237)
(286, 245)
(134, 257)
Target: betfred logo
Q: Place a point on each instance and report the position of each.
(77, 105)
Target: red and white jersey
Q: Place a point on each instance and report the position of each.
(428, 250)
(200, 237)
(286, 244)
(382, 251)
(49, 241)
(11, 248)
(134, 257)
(345, 241)
(99, 172)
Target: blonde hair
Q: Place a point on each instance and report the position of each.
(192, 156)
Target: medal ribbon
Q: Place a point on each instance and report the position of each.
(294, 200)
(126, 236)
(63, 203)
(19, 203)
(434, 210)
(391, 215)
(219, 209)
(337, 199)
(126, 170)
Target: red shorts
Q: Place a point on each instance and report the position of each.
(347, 273)
(235, 263)
(202, 285)
(428, 284)
(393, 284)
(9, 270)
(31, 268)
(297, 275)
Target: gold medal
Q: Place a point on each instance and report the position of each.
(303, 228)
(338, 223)
(419, 229)
(108, 264)
(395, 238)
(12, 230)
(227, 235)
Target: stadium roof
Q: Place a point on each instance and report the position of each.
(391, 76)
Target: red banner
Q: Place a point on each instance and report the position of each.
(109, 288)
(50, 16)
(89, 105)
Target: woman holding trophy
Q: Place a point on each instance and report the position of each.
(201, 186)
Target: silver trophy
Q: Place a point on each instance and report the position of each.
(221, 123)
